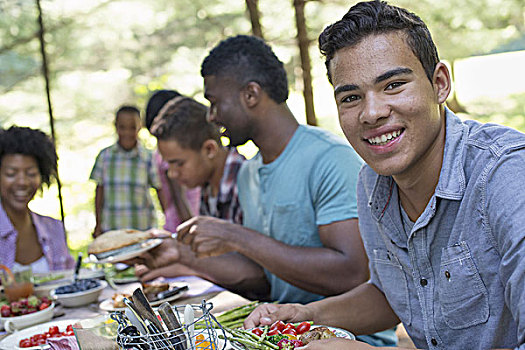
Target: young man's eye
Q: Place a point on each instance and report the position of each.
(394, 85)
(350, 98)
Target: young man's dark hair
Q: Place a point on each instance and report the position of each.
(127, 109)
(34, 143)
(184, 120)
(378, 17)
(246, 59)
(156, 102)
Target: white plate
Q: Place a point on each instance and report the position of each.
(107, 304)
(339, 332)
(11, 341)
(141, 248)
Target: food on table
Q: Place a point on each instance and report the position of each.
(315, 334)
(78, 286)
(41, 338)
(152, 289)
(280, 335)
(233, 318)
(118, 300)
(48, 278)
(24, 306)
(116, 239)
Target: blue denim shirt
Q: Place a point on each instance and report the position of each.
(456, 279)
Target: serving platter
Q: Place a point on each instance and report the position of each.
(11, 341)
(339, 332)
(125, 253)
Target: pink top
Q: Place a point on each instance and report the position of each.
(51, 237)
(192, 195)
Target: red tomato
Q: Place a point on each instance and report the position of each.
(273, 332)
(70, 333)
(25, 343)
(289, 330)
(257, 331)
(53, 330)
(303, 327)
(69, 328)
(289, 326)
(279, 325)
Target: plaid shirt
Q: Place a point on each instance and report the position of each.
(51, 237)
(227, 204)
(126, 177)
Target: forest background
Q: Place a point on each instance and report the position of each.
(105, 53)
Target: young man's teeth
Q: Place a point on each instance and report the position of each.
(381, 140)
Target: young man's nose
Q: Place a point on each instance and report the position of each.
(375, 108)
(173, 173)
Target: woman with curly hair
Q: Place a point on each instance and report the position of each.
(28, 159)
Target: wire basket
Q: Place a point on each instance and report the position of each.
(205, 336)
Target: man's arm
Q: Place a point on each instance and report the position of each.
(99, 203)
(231, 271)
(337, 267)
(363, 310)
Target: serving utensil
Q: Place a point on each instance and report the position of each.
(172, 323)
(189, 318)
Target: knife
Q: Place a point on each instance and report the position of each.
(168, 293)
(170, 320)
(144, 308)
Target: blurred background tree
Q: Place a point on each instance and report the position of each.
(104, 53)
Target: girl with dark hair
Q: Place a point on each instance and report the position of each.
(28, 159)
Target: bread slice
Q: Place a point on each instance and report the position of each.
(116, 239)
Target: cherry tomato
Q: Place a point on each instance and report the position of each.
(303, 327)
(279, 325)
(257, 331)
(53, 330)
(25, 343)
(69, 328)
(289, 330)
(273, 332)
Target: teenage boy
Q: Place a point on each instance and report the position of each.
(298, 193)
(124, 173)
(440, 200)
(192, 148)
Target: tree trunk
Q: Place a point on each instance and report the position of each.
(255, 18)
(45, 73)
(304, 45)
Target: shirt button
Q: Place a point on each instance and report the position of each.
(447, 274)
(423, 282)
(434, 341)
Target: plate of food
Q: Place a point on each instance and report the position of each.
(119, 245)
(156, 293)
(285, 335)
(30, 338)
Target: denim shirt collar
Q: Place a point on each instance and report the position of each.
(451, 184)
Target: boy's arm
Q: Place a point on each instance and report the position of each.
(99, 203)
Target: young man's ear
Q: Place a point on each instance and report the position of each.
(442, 83)
(210, 148)
(251, 94)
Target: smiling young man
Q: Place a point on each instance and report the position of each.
(440, 200)
(297, 194)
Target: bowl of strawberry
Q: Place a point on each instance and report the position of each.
(40, 339)
(25, 312)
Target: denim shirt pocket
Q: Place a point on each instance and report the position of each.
(394, 282)
(463, 296)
